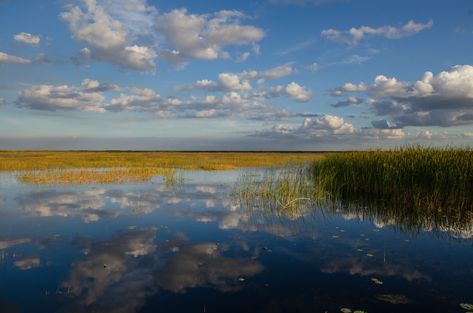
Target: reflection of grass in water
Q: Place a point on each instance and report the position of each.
(104, 176)
(36, 160)
(414, 188)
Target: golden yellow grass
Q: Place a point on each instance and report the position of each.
(42, 160)
(93, 176)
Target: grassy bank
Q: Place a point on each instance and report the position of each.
(41, 160)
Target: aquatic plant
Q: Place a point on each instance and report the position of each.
(406, 185)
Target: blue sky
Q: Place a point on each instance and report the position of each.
(269, 74)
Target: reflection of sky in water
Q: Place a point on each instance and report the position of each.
(145, 248)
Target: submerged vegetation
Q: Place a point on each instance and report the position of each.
(414, 188)
(42, 160)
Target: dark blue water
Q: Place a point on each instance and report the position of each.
(152, 248)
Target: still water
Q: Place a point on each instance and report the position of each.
(193, 248)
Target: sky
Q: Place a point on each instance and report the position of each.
(235, 75)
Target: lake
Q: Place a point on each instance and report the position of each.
(152, 247)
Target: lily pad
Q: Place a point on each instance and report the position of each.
(393, 299)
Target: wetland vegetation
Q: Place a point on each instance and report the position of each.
(415, 188)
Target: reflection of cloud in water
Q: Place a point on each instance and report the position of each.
(110, 277)
(425, 224)
(90, 205)
(202, 265)
(27, 263)
(118, 275)
(355, 266)
(206, 189)
(86, 204)
(7, 243)
(240, 220)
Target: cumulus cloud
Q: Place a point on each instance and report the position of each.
(27, 38)
(107, 38)
(52, 98)
(205, 36)
(330, 127)
(294, 91)
(354, 35)
(444, 99)
(240, 81)
(7, 58)
(90, 96)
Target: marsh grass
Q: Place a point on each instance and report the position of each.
(42, 160)
(414, 188)
(286, 191)
(171, 177)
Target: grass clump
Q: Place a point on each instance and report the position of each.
(412, 177)
(287, 191)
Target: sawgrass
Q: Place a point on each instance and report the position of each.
(42, 160)
(93, 176)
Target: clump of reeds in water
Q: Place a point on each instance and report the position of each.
(100, 176)
(287, 191)
(417, 187)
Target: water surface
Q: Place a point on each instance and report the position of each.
(192, 248)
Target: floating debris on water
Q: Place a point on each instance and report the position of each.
(376, 281)
(359, 250)
(241, 279)
(345, 310)
(370, 255)
(132, 227)
(335, 236)
(466, 306)
(393, 299)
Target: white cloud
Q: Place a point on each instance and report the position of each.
(294, 91)
(327, 127)
(354, 35)
(140, 99)
(108, 39)
(7, 58)
(445, 99)
(205, 36)
(48, 97)
(27, 38)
